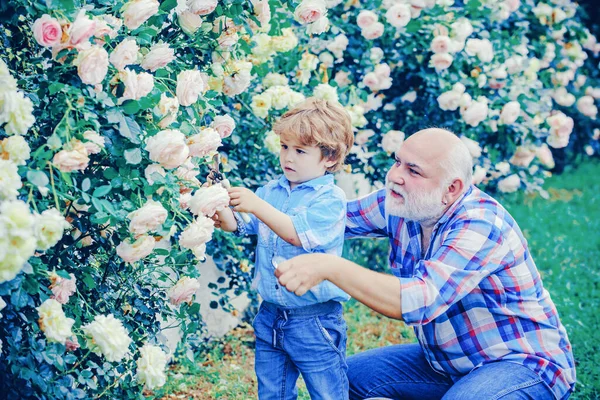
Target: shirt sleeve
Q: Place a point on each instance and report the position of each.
(365, 217)
(471, 251)
(249, 227)
(320, 225)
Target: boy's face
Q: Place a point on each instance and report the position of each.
(301, 163)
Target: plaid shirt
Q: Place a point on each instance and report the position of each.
(317, 209)
(476, 296)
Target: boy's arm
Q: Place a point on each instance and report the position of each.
(244, 200)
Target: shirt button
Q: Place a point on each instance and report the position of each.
(276, 287)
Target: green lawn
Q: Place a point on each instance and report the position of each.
(564, 237)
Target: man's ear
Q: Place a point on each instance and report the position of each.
(453, 191)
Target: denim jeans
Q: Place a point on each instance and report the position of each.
(402, 372)
(309, 340)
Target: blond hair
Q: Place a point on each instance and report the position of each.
(321, 123)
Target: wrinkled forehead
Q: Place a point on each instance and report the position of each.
(426, 157)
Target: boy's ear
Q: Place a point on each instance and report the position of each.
(329, 163)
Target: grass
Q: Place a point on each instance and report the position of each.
(564, 236)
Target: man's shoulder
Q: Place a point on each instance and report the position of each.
(478, 205)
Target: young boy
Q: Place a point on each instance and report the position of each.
(301, 212)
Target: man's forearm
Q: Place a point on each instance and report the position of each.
(378, 291)
(279, 222)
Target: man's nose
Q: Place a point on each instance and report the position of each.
(396, 176)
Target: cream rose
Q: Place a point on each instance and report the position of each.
(10, 180)
(168, 148)
(202, 7)
(75, 159)
(92, 65)
(189, 22)
(107, 336)
(476, 113)
(325, 92)
(189, 87)
(204, 143)
(208, 200)
(522, 157)
(586, 106)
(561, 127)
(479, 175)
(16, 148)
(167, 110)
(136, 85)
(82, 29)
(473, 146)
(94, 143)
(53, 321)
(49, 228)
(126, 53)
(309, 11)
(136, 12)
(392, 141)
(450, 100)
(16, 111)
(223, 124)
(183, 291)
(151, 367)
(544, 155)
(141, 248)
(148, 218)
(197, 233)
(47, 31)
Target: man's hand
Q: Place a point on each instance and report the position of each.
(304, 272)
(243, 200)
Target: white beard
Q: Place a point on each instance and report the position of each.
(419, 206)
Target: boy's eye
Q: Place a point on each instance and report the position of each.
(284, 146)
(299, 151)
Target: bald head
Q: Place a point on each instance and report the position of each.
(450, 155)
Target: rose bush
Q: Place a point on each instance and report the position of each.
(110, 116)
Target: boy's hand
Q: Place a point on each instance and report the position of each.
(216, 220)
(243, 200)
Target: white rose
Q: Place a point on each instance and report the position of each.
(124, 54)
(510, 184)
(197, 233)
(373, 31)
(398, 15)
(285, 42)
(510, 112)
(160, 56)
(189, 22)
(563, 97)
(204, 143)
(366, 18)
(151, 367)
(141, 248)
(189, 87)
(183, 291)
(208, 200)
(274, 79)
(318, 27)
(338, 45)
(261, 104)
(94, 143)
(272, 142)
(392, 141)
(409, 97)
(462, 28)
(107, 336)
(450, 100)
(223, 124)
(473, 146)
(482, 48)
(16, 112)
(136, 12)
(153, 169)
(168, 148)
(49, 228)
(586, 106)
(441, 61)
(148, 218)
(202, 7)
(16, 148)
(479, 175)
(476, 113)
(92, 65)
(53, 321)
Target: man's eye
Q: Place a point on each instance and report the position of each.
(412, 171)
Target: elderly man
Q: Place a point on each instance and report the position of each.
(463, 276)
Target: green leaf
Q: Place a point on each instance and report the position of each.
(133, 156)
(102, 191)
(19, 298)
(194, 309)
(130, 107)
(129, 129)
(168, 5)
(97, 204)
(63, 274)
(55, 87)
(110, 173)
(38, 178)
(86, 184)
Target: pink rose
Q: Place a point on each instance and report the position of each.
(441, 44)
(373, 31)
(124, 54)
(342, 79)
(198, 232)
(141, 248)
(189, 22)
(62, 288)
(208, 200)
(94, 143)
(371, 81)
(204, 143)
(136, 85)
(148, 218)
(399, 15)
(168, 148)
(510, 184)
(71, 345)
(223, 124)
(513, 5)
(441, 61)
(522, 157)
(310, 11)
(189, 87)
(183, 291)
(92, 65)
(159, 56)
(544, 155)
(366, 18)
(47, 31)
